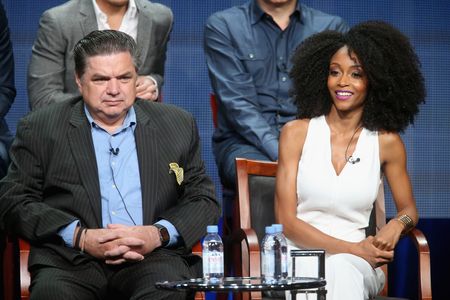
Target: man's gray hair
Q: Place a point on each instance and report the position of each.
(103, 42)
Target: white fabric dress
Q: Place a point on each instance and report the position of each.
(339, 206)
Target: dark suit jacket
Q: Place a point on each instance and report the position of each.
(54, 178)
(51, 70)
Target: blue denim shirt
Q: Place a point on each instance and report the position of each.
(249, 59)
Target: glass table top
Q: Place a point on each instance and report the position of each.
(243, 284)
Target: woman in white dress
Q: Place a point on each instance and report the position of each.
(355, 92)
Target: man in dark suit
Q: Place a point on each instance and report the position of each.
(107, 188)
(51, 69)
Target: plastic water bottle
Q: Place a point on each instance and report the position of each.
(281, 257)
(268, 246)
(212, 255)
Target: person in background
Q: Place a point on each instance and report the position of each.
(7, 89)
(248, 53)
(7, 95)
(105, 186)
(355, 93)
(51, 69)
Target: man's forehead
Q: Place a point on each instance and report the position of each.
(123, 54)
(122, 60)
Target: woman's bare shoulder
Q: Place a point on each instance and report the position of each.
(391, 146)
(389, 139)
(296, 128)
(292, 138)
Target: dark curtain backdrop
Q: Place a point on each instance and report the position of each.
(187, 85)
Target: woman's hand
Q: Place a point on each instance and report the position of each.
(373, 255)
(388, 236)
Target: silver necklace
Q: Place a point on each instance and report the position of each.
(350, 158)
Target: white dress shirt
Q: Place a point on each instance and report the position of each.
(129, 22)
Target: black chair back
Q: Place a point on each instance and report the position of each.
(262, 194)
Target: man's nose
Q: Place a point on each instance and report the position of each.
(113, 86)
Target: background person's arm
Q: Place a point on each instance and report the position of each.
(47, 68)
(235, 89)
(7, 88)
(151, 72)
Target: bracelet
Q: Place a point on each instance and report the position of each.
(407, 222)
(76, 245)
(83, 242)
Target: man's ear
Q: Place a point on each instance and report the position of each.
(78, 81)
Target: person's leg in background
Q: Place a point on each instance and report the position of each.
(225, 159)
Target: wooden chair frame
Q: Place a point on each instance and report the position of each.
(244, 237)
(245, 240)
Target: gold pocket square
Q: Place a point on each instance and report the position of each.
(179, 172)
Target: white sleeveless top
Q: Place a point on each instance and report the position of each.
(339, 206)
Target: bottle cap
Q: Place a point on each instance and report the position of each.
(212, 229)
(278, 227)
(270, 230)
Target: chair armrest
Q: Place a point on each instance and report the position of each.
(9, 268)
(24, 252)
(247, 256)
(251, 256)
(424, 275)
(197, 249)
(17, 277)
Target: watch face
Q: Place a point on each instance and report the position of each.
(163, 234)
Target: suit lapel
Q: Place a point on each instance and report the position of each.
(88, 20)
(147, 151)
(82, 147)
(144, 32)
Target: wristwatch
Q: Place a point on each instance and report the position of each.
(164, 236)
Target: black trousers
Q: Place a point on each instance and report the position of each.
(96, 280)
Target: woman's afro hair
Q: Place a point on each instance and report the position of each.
(395, 82)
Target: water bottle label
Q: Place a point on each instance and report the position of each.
(268, 264)
(214, 263)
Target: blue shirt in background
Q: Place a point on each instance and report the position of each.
(249, 59)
